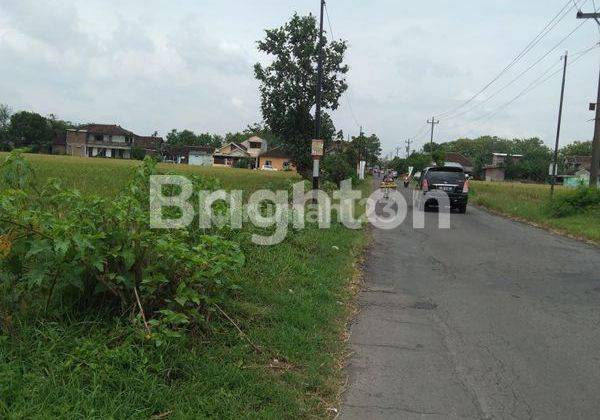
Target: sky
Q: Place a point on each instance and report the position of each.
(156, 65)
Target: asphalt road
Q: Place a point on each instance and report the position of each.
(489, 319)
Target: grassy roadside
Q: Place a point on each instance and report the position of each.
(529, 202)
(292, 302)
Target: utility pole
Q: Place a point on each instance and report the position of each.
(433, 122)
(560, 110)
(318, 105)
(408, 142)
(397, 151)
(595, 166)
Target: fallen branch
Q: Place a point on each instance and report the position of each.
(137, 298)
(256, 348)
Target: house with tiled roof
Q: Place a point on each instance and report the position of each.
(108, 140)
(256, 152)
(231, 153)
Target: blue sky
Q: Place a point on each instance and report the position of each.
(158, 65)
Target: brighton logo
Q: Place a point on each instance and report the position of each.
(173, 205)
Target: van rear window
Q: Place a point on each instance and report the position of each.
(446, 176)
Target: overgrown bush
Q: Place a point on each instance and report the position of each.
(63, 251)
(336, 168)
(575, 201)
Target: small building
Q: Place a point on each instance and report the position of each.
(277, 159)
(583, 175)
(575, 163)
(191, 155)
(496, 171)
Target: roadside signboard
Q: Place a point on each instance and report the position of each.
(317, 148)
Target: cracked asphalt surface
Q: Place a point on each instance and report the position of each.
(491, 319)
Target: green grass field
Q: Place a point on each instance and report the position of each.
(292, 302)
(108, 176)
(530, 203)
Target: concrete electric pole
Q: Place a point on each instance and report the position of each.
(318, 103)
(433, 122)
(560, 110)
(408, 142)
(595, 166)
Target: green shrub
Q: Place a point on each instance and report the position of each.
(138, 153)
(62, 251)
(336, 168)
(575, 201)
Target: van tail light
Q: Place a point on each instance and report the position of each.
(466, 187)
(425, 185)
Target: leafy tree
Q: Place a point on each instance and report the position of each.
(439, 156)
(29, 129)
(428, 147)
(533, 165)
(364, 147)
(398, 164)
(288, 84)
(256, 129)
(189, 138)
(577, 148)
(336, 168)
(418, 161)
(4, 124)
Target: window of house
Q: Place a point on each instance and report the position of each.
(98, 137)
(255, 145)
(268, 163)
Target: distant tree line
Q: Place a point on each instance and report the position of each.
(533, 166)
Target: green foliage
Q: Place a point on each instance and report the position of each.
(30, 129)
(576, 201)
(245, 163)
(363, 147)
(291, 301)
(418, 161)
(189, 138)
(439, 157)
(5, 113)
(336, 168)
(70, 250)
(258, 130)
(138, 153)
(288, 84)
(398, 164)
(577, 148)
(532, 166)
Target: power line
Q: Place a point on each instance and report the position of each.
(566, 9)
(539, 60)
(543, 78)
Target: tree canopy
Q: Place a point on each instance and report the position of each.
(288, 83)
(189, 138)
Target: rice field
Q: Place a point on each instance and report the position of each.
(529, 202)
(107, 176)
